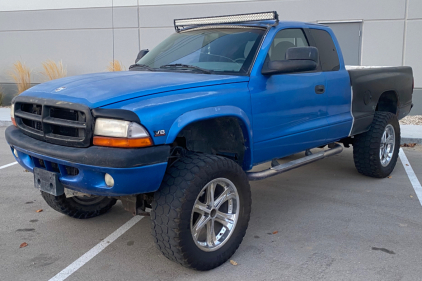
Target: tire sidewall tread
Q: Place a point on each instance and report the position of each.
(73, 209)
(366, 147)
(173, 204)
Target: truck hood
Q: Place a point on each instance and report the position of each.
(100, 89)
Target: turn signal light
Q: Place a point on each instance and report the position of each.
(12, 114)
(122, 142)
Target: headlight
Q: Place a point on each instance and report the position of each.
(119, 133)
(12, 114)
(111, 128)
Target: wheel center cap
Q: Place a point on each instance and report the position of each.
(213, 213)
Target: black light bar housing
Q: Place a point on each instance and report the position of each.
(180, 24)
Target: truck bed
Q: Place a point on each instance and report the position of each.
(370, 84)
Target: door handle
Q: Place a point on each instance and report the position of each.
(320, 89)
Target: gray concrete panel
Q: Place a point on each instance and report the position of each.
(125, 2)
(82, 51)
(125, 17)
(415, 9)
(151, 37)
(18, 5)
(382, 43)
(126, 46)
(306, 10)
(413, 55)
(56, 19)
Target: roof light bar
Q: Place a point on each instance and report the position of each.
(182, 23)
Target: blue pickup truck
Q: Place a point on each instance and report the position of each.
(177, 136)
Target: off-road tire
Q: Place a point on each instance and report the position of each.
(366, 147)
(72, 208)
(174, 201)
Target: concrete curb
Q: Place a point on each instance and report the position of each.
(5, 123)
(411, 140)
(411, 134)
(5, 117)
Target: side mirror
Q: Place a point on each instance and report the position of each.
(297, 60)
(141, 54)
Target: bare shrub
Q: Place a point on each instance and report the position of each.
(21, 74)
(53, 70)
(115, 66)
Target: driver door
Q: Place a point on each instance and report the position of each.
(289, 110)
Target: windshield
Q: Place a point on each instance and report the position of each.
(217, 50)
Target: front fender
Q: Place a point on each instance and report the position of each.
(214, 112)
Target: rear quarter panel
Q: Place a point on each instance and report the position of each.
(369, 84)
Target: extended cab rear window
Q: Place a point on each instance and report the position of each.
(327, 50)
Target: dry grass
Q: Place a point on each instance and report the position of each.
(115, 66)
(53, 70)
(21, 74)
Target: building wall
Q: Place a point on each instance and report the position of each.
(87, 34)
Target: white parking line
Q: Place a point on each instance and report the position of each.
(8, 165)
(411, 174)
(62, 275)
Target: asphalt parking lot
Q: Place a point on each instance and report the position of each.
(320, 222)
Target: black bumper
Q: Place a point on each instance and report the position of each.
(93, 155)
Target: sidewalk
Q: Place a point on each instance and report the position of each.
(5, 117)
(409, 133)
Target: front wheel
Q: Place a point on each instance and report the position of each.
(375, 152)
(201, 211)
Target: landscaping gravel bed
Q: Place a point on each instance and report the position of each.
(411, 120)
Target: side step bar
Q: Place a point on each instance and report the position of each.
(254, 176)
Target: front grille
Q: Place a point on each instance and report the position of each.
(55, 122)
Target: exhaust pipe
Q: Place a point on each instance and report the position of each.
(254, 176)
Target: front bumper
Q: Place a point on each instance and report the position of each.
(134, 171)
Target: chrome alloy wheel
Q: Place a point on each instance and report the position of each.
(388, 142)
(215, 214)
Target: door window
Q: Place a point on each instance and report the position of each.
(285, 39)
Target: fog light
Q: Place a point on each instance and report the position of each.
(16, 153)
(109, 180)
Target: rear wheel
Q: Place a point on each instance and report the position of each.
(201, 211)
(80, 207)
(375, 152)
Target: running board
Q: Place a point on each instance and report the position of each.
(254, 176)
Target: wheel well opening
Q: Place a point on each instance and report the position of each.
(219, 136)
(388, 102)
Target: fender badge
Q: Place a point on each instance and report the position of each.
(159, 133)
(59, 89)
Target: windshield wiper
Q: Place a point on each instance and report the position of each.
(180, 65)
(142, 66)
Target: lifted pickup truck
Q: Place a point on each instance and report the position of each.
(179, 133)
